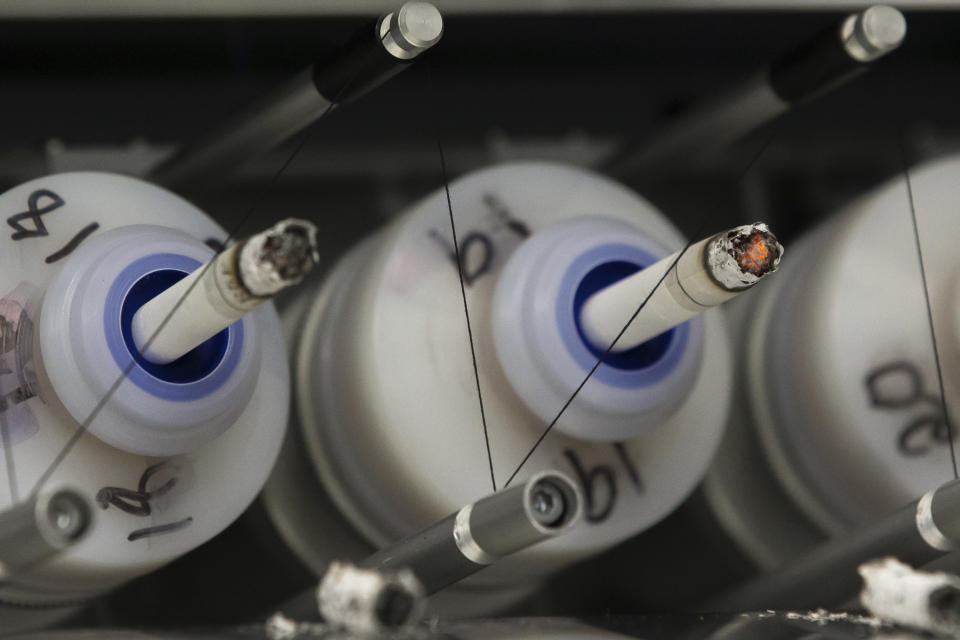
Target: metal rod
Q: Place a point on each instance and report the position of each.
(917, 534)
(815, 67)
(479, 534)
(376, 53)
(39, 528)
(546, 505)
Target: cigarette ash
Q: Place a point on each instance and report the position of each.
(279, 257)
(368, 602)
(280, 627)
(897, 593)
(823, 617)
(740, 257)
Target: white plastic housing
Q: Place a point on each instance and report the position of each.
(840, 368)
(385, 389)
(544, 356)
(214, 450)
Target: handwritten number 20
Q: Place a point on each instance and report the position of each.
(884, 393)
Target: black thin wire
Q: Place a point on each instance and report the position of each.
(926, 298)
(603, 356)
(466, 310)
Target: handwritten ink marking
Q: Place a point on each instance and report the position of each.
(137, 502)
(35, 213)
(159, 529)
(484, 245)
(478, 249)
(631, 468)
(590, 480)
(899, 385)
(505, 217)
(73, 244)
(216, 245)
(594, 512)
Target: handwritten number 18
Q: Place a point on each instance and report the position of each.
(34, 214)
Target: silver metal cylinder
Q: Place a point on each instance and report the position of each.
(813, 67)
(38, 528)
(544, 506)
(873, 32)
(377, 53)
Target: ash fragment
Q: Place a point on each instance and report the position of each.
(280, 627)
(823, 617)
(367, 602)
(279, 257)
(739, 258)
(924, 600)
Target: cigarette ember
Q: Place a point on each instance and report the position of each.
(279, 257)
(755, 254)
(738, 258)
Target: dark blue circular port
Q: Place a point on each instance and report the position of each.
(192, 366)
(643, 355)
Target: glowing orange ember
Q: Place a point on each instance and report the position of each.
(755, 255)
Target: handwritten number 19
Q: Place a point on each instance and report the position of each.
(601, 482)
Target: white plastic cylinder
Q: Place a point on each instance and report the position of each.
(840, 372)
(195, 448)
(385, 394)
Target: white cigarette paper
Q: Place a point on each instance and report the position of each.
(238, 280)
(708, 273)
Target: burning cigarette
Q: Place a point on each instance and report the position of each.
(232, 284)
(710, 272)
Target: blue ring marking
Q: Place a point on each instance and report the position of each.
(642, 366)
(639, 357)
(193, 387)
(192, 366)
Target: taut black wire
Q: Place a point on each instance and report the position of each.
(463, 295)
(926, 299)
